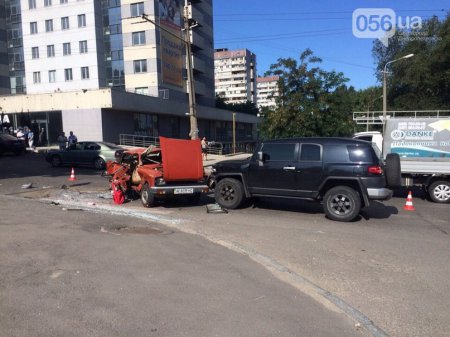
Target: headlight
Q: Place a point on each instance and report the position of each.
(213, 170)
(159, 181)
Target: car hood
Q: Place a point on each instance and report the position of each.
(231, 165)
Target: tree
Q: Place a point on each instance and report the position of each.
(311, 101)
(247, 107)
(421, 82)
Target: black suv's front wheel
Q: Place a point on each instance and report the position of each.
(342, 203)
(229, 193)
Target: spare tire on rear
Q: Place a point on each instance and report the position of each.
(392, 170)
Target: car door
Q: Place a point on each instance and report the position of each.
(90, 152)
(72, 155)
(275, 174)
(309, 173)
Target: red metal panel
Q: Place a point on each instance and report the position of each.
(182, 159)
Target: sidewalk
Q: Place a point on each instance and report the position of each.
(215, 158)
(212, 158)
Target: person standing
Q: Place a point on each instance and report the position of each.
(41, 137)
(73, 140)
(62, 141)
(31, 139)
(204, 148)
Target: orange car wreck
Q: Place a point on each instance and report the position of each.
(174, 168)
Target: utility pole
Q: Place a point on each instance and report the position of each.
(190, 75)
(190, 86)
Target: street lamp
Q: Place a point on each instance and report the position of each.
(234, 132)
(384, 85)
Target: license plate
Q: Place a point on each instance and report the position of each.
(183, 191)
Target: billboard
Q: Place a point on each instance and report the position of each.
(418, 137)
(171, 46)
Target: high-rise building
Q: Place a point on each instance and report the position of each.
(235, 75)
(267, 88)
(4, 73)
(100, 69)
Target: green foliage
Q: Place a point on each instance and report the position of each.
(312, 101)
(423, 81)
(247, 107)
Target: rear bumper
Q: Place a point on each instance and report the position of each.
(379, 193)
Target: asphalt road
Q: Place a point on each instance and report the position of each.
(71, 272)
(389, 267)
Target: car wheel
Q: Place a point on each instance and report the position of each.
(393, 171)
(439, 191)
(147, 197)
(342, 203)
(99, 163)
(229, 193)
(56, 161)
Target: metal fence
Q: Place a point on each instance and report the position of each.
(219, 148)
(376, 117)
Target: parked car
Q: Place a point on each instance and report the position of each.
(85, 153)
(343, 174)
(11, 144)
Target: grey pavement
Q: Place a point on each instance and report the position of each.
(391, 265)
(73, 273)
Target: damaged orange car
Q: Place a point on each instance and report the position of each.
(174, 168)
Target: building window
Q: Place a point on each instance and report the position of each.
(36, 77)
(33, 28)
(66, 48)
(47, 3)
(82, 20)
(35, 52)
(49, 25)
(141, 90)
(65, 22)
(83, 47)
(50, 50)
(140, 66)
(137, 9)
(68, 74)
(62, 1)
(52, 76)
(84, 73)
(31, 4)
(138, 38)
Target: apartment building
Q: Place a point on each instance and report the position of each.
(98, 68)
(235, 75)
(4, 72)
(267, 89)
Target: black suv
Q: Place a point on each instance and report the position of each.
(343, 173)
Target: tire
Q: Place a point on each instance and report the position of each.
(56, 161)
(393, 170)
(439, 191)
(99, 163)
(229, 193)
(147, 197)
(342, 203)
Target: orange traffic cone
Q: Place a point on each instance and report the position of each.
(72, 175)
(409, 203)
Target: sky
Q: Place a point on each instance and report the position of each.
(284, 28)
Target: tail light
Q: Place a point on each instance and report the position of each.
(375, 170)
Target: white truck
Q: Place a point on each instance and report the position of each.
(422, 140)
